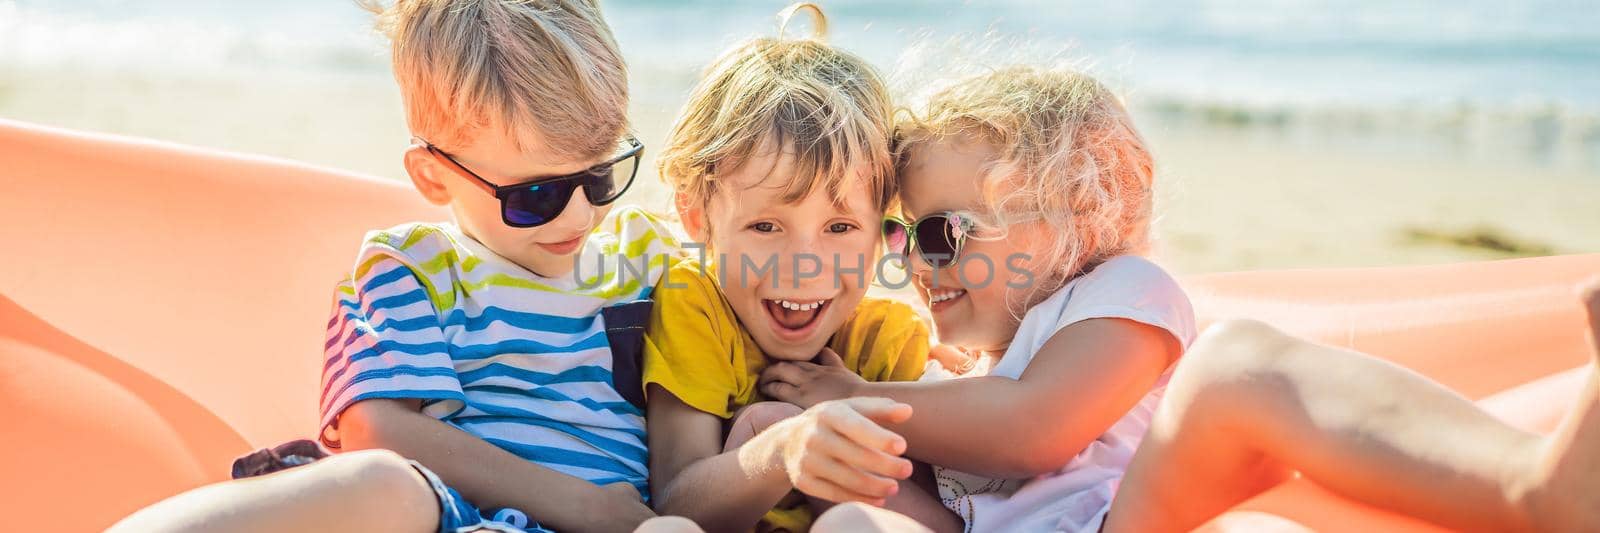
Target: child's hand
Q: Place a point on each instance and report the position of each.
(838, 451)
(624, 490)
(953, 359)
(807, 384)
(619, 508)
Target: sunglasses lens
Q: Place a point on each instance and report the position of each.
(606, 183)
(537, 204)
(895, 238)
(937, 240)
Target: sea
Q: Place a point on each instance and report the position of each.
(1521, 77)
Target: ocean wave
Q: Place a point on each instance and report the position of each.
(1548, 136)
(35, 36)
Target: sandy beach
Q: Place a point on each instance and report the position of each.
(1230, 198)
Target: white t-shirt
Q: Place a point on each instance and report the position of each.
(1076, 497)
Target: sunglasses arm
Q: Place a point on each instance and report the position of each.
(484, 184)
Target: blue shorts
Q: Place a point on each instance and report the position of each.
(457, 515)
(455, 512)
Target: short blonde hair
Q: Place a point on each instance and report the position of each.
(828, 107)
(1069, 157)
(537, 72)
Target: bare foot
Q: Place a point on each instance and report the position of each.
(1567, 493)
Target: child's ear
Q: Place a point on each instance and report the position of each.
(693, 217)
(426, 174)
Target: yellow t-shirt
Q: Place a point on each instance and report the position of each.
(696, 348)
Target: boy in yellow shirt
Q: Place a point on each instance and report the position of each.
(780, 163)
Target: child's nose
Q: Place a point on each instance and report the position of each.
(805, 263)
(801, 244)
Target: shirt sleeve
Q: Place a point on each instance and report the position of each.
(689, 342)
(385, 341)
(884, 341)
(648, 245)
(1131, 288)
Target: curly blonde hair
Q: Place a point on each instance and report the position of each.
(542, 73)
(828, 107)
(1069, 157)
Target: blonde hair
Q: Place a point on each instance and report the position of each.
(1069, 156)
(537, 72)
(828, 107)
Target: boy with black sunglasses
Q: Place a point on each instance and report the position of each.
(506, 387)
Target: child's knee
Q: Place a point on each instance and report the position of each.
(762, 415)
(668, 524)
(851, 516)
(386, 482)
(368, 463)
(1234, 348)
(380, 472)
(1228, 364)
(855, 516)
(755, 418)
(1236, 335)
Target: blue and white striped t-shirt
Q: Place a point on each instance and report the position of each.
(516, 359)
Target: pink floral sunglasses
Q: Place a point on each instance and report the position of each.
(937, 237)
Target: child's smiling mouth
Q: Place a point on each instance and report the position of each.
(941, 299)
(794, 320)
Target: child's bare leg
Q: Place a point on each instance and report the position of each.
(755, 418)
(356, 491)
(1249, 405)
(1566, 487)
(860, 517)
(669, 524)
(918, 500)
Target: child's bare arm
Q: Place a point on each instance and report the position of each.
(486, 475)
(690, 476)
(1085, 378)
(834, 451)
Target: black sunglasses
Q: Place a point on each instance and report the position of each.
(536, 202)
(937, 237)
